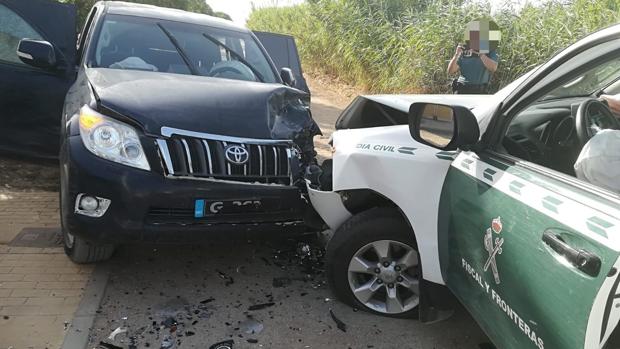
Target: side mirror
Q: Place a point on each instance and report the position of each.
(37, 53)
(288, 77)
(442, 126)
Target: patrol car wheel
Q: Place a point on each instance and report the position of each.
(373, 264)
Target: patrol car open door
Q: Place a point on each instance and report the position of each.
(530, 252)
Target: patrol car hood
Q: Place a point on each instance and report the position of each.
(202, 104)
(403, 102)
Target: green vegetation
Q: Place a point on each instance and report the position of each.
(404, 45)
(200, 6)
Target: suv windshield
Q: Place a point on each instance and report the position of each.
(594, 80)
(127, 42)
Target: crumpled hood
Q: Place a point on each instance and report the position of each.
(202, 104)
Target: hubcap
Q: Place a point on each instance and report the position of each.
(384, 276)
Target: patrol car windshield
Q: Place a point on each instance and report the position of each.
(592, 81)
(134, 43)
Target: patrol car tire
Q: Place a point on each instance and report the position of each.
(364, 228)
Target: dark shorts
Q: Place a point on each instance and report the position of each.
(472, 90)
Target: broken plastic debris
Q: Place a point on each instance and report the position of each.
(261, 306)
(168, 342)
(229, 280)
(223, 345)
(116, 332)
(341, 325)
(109, 346)
(208, 300)
(251, 326)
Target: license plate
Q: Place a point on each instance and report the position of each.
(203, 208)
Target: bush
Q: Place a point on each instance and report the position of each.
(404, 45)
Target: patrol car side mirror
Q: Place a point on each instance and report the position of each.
(443, 126)
(37, 53)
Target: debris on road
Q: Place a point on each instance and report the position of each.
(341, 325)
(116, 332)
(223, 345)
(109, 346)
(228, 279)
(208, 300)
(251, 326)
(261, 306)
(168, 342)
(281, 282)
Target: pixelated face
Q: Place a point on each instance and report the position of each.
(482, 36)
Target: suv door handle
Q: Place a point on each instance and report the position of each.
(583, 260)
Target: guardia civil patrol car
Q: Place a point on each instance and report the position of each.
(479, 195)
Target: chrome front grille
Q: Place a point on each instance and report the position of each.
(187, 154)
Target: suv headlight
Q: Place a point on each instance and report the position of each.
(111, 139)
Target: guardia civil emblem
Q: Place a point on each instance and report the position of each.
(493, 244)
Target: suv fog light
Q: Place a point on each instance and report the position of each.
(89, 203)
(92, 206)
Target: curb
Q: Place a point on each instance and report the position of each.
(84, 317)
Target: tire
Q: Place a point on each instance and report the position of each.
(375, 227)
(81, 251)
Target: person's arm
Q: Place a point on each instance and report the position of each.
(488, 62)
(453, 66)
(614, 103)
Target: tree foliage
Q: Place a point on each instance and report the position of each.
(404, 45)
(199, 6)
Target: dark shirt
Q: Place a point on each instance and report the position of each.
(473, 71)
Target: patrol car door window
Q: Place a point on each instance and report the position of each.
(13, 29)
(544, 132)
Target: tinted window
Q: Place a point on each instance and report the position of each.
(12, 30)
(137, 43)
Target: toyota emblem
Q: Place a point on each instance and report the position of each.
(236, 154)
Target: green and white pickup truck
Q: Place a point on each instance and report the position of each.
(479, 195)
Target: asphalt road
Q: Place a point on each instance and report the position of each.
(212, 291)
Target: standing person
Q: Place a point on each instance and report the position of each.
(477, 60)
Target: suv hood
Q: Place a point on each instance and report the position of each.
(202, 104)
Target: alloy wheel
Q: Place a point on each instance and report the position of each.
(384, 275)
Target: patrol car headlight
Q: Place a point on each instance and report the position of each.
(111, 139)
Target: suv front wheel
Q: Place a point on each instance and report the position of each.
(373, 263)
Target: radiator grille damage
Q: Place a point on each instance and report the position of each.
(212, 156)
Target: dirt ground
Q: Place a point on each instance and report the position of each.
(24, 174)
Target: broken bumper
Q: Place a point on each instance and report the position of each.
(146, 206)
(329, 206)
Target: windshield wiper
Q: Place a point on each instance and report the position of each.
(182, 53)
(238, 56)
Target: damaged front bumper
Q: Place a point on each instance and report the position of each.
(146, 206)
(329, 206)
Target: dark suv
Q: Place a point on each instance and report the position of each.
(176, 125)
